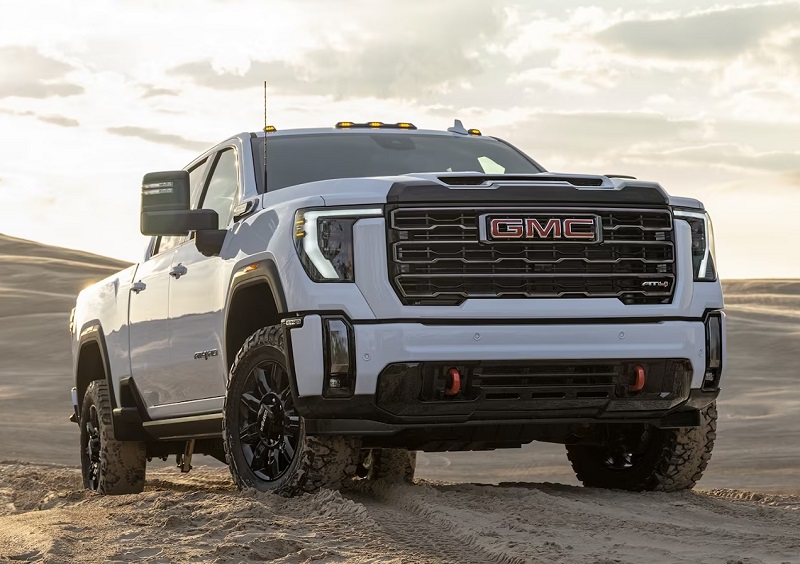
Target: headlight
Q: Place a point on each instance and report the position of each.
(324, 241)
(703, 256)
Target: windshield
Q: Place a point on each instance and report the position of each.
(296, 159)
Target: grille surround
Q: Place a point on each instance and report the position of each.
(439, 256)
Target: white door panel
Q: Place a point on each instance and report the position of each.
(196, 324)
(149, 332)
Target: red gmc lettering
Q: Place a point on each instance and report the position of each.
(506, 228)
(533, 228)
(570, 226)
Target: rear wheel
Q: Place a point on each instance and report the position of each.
(646, 458)
(265, 441)
(108, 466)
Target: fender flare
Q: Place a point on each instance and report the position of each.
(267, 271)
(92, 331)
(123, 426)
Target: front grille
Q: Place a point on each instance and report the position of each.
(437, 256)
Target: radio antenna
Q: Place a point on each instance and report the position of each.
(265, 136)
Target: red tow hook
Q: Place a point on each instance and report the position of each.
(638, 383)
(453, 382)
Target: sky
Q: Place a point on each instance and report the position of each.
(703, 97)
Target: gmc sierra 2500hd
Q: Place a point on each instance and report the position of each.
(381, 290)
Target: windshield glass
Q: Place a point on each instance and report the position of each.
(296, 159)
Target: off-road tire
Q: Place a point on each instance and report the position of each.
(393, 465)
(122, 464)
(319, 461)
(675, 459)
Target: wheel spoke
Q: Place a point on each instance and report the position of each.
(274, 463)
(262, 385)
(288, 448)
(251, 403)
(249, 434)
(291, 425)
(258, 457)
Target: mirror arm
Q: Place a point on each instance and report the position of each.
(209, 241)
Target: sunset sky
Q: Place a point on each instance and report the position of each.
(703, 97)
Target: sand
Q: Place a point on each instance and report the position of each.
(528, 508)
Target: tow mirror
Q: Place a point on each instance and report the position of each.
(165, 206)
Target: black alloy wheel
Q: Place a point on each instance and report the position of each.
(643, 457)
(269, 426)
(624, 451)
(108, 466)
(91, 450)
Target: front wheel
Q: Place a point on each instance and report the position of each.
(266, 445)
(645, 458)
(108, 466)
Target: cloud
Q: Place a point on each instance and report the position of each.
(709, 35)
(737, 156)
(155, 136)
(600, 136)
(29, 74)
(153, 91)
(405, 54)
(54, 119)
(59, 120)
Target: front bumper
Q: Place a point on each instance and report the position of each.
(377, 348)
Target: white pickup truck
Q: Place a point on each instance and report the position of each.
(382, 290)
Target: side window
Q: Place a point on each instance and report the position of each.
(196, 177)
(223, 187)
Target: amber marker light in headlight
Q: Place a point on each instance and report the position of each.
(324, 241)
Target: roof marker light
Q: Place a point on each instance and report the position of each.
(375, 125)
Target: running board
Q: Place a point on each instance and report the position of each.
(197, 427)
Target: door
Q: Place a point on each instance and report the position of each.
(149, 331)
(197, 295)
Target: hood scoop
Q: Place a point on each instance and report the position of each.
(476, 179)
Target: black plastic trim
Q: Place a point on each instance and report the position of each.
(267, 271)
(699, 399)
(371, 428)
(195, 427)
(132, 412)
(93, 331)
(427, 192)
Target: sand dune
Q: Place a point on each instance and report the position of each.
(45, 515)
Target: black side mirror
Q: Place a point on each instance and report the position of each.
(165, 191)
(165, 206)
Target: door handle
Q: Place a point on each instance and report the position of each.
(139, 286)
(178, 270)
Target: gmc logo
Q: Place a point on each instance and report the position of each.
(584, 228)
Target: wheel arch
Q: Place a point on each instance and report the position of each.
(255, 300)
(92, 362)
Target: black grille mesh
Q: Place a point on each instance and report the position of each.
(436, 256)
